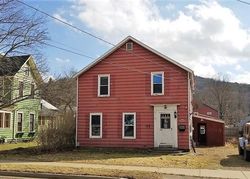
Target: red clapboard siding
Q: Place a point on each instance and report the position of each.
(130, 91)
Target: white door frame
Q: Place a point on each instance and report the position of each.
(165, 108)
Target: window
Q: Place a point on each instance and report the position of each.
(19, 122)
(32, 92)
(32, 122)
(1, 120)
(27, 71)
(103, 85)
(20, 89)
(129, 46)
(165, 121)
(95, 125)
(129, 125)
(157, 83)
(209, 113)
(7, 120)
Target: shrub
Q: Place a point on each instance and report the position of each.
(58, 134)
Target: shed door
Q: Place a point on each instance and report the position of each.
(202, 134)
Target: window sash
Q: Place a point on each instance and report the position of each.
(95, 129)
(7, 120)
(20, 122)
(104, 85)
(32, 122)
(20, 89)
(129, 130)
(157, 83)
(1, 120)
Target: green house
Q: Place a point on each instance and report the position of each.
(19, 97)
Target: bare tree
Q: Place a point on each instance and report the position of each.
(61, 91)
(21, 32)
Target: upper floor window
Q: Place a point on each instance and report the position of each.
(27, 71)
(20, 89)
(157, 83)
(32, 90)
(104, 85)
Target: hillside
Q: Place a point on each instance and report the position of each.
(237, 105)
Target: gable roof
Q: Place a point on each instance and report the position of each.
(138, 42)
(9, 66)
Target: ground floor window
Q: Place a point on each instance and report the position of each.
(95, 125)
(129, 125)
(19, 122)
(5, 119)
(32, 122)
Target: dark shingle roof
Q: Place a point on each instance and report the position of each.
(9, 66)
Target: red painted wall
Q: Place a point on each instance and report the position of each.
(214, 132)
(204, 109)
(130, 91)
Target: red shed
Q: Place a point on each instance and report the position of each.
(208, 131)
(134, 96)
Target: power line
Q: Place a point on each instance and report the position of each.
(85, 32)
(67, 50)
(244, 2)
(66, 23)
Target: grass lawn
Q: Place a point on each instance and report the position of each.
(210, 158)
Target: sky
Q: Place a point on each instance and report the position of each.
(210, 37)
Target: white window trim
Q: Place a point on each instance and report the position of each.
(17, 122)
(34, 122)
(90, 127)
(131, 43)
(152, 87)
(99, 83)
(123, 125)
(19, 89)
(5, 119)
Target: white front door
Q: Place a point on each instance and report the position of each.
(165, 125)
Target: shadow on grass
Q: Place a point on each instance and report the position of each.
(36, 155)
(235, 161)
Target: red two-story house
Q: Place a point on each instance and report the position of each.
(134, 97)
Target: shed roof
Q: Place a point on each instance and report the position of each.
(9, 66)
(208, 118)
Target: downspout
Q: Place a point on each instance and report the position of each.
(76, 142)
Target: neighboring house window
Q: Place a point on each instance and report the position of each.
(32, 122)
(19, 122)
(157, 83)
(95, 127)
(32, 92)
(27, 71)
(7, 120)
(103, 85)
(20, 89)
(209, 113)
(1, 120)
(129, 125)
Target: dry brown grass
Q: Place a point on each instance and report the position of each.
(80, 171)
(209, 158)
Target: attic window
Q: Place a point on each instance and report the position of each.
(129, 46)
(27, 71)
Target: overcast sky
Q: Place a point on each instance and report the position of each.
(209, 37)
